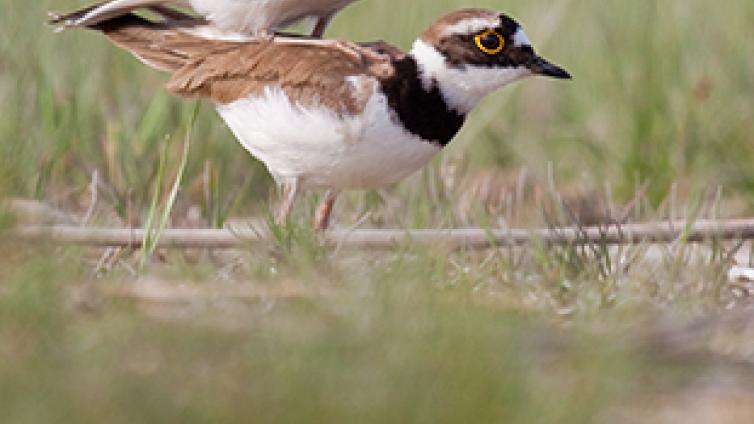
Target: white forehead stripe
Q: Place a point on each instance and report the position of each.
(470, 26)
(520, 38)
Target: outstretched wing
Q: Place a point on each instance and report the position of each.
(241, 16)
(103, 11)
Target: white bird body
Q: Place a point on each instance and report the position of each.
(253, 16)
(250, 17)
(318, 148)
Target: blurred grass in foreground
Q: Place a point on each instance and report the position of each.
(294, 333)
(306, 335)
(391, 339)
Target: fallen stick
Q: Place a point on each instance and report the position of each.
(657, 232)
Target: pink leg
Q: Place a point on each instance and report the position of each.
(289, 190)
(324, 210)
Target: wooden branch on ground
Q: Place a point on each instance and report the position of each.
(658, 232)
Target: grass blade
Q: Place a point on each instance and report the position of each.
(153, 232)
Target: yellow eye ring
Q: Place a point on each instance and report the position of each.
(490, 50)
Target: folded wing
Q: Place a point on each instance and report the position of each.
(308, 71)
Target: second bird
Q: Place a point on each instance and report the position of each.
(251, 17)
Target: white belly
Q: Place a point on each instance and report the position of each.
(323, 149)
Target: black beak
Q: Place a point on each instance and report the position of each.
(540, 66)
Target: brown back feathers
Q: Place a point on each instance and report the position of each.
(308, 71)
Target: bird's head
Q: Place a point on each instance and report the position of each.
(470, 53)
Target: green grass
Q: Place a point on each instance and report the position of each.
(293, 332)
(661, 94)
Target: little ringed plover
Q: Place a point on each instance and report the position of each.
(339, 115)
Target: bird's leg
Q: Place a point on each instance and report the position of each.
(324, 210)
(288, 192)
(321, 26)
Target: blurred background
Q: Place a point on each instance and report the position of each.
(660, 114)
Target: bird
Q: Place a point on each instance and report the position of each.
(338, 115)
(249, 17)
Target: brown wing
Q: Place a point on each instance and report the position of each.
(161, 45)
(308, 71)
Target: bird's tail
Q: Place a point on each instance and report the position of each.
(163, 44)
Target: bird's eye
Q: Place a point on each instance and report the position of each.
(490, 42)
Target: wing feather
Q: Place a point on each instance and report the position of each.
(160, 45)
(103, 11)
(308, 71)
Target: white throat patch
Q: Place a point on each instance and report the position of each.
(462, 88)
